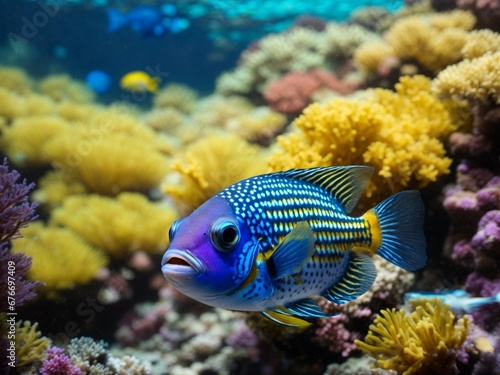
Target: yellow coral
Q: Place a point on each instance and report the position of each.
(37, 105)
(55, 186)
(239, 115)
(166, 119)
(260, 125)
(472, 79)
(13, 105)
(435, 41)
(178, 96)
(210, 165)
(15, 80)
(480, 42)
(370, 55)
(396, 133)
(415, 343)
(31, 346)
(62, 87)
(24, 140)
(118, 225)
(110, 153)
(61, 259)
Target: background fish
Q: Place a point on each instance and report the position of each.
(271, 242)
(138, 81)
(458, 300)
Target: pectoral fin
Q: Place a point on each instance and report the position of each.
(293, 252)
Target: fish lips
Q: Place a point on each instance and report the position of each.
(178, 265)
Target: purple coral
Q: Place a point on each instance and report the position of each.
(58, 363)
(15, 211)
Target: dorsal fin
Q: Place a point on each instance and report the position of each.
(345, 183)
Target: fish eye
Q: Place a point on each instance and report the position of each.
(173, 229)
(225, 234)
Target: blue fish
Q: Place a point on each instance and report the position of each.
(98, 81)
(147, 20)
(458, 300)
(271, 242)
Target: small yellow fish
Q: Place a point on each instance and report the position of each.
(138, 81)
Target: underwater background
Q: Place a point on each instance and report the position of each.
(119, 117)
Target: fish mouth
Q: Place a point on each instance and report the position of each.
(178, 264)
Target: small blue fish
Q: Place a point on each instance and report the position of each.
(98, 81)
(147, 20)
(458, 300)
(271, 242)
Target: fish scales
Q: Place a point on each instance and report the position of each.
(271, 242)
(278, 205)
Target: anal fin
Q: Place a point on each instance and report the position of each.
(357, 279)
(306, 308)
(285, 319)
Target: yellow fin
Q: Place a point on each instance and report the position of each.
(286, 320)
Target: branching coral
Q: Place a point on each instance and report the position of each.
(62, 87)
(14, 79)
(298, 49)
(177, 96)
(111, 153)
(416, 343)
(127, 223)
(58, 363)
(55, 186)
(434, 41)
(31, 346)
(475, 80)
(209, 166)
(15, 211)
(291, 93)
(48, 246)
(480, 42)
(24, 140)
(396, 133)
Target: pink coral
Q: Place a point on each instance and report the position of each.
(291, 93)
(58, 363)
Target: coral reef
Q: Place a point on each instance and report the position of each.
(418, 343)
(208, 166)
(15, 211)
(291, 93)
(176, 96)
(111, 153)
(298, 49)
(58, 363)
(119, 226)
(477, 79)
(24, 139)
(31, 346)
(396, 133)
(434, 41)
(48, 246)
(61, 87)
